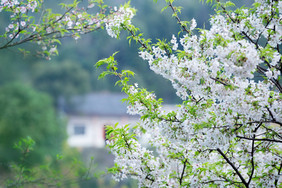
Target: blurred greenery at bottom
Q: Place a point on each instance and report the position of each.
(33, 147)
(26, 112)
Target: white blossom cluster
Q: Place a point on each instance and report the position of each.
(228, 130)
(17, 8)
(122, 16)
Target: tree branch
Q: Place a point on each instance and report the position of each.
(183, 170)
(260, 139)
(234, 168)
(184, 28)
(218, 80)
(274, 81)
(252, 160)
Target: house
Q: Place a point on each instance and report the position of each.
(89, 114)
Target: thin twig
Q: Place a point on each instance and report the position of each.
(259, 139)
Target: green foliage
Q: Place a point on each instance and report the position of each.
(25, 112)
(61, 78)
(64, 171)
(25, 145)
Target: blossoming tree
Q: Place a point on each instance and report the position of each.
(31, 21)
(228, 130)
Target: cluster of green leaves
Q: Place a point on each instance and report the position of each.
(124, 76)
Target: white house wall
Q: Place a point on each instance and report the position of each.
(94, 135)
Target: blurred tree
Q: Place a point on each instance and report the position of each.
(26, 112)
(14, 67)
(61, 78)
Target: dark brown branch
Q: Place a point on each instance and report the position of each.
(260, 139)
(252, 160)
(234, 168)
(218, 80)
(184, 28)
(139, 41)
(270, 113)
(34, 36)
(267, 121)
(57, 20)
(274, 81)
(182, 173)
(224, 180)
(277, 134)
(37, 36)
(277, 84)
(11, 40)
